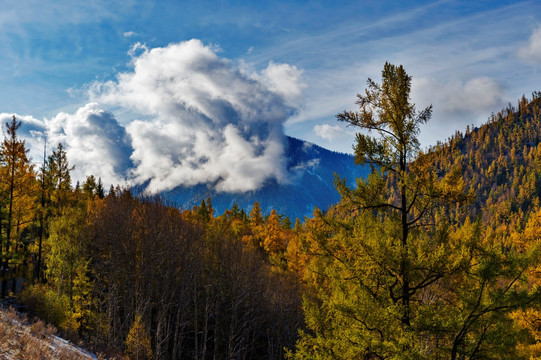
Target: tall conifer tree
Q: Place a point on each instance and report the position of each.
(18, 186)
(389, 276)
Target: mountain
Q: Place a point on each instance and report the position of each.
(313, 171)
(501, 164)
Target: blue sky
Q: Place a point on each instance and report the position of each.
(467, 59)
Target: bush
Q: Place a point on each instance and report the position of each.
(47, 305)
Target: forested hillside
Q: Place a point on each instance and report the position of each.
(500, 162)
(433, 255)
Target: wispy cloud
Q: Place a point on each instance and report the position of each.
(531, 52)
(478, 95)
(330, 132)
(470, 62)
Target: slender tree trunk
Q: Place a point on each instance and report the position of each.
(8, 228)
(10, 212)
(3, 271)
(216, 324)
(17, 232)
(404, 263)
(205, 324)
(41, 220)
(196, 329)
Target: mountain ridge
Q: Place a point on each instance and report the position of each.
(312, 170)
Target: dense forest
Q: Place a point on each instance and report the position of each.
(434, 255)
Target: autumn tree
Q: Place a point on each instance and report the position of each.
(386, 110)
(90, 186)
(273, 241)
(256, 224)
(138, 341)
(18, 187)
(388, 277)
(38, 274)
(58, 178)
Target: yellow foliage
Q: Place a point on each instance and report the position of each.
(138, 341)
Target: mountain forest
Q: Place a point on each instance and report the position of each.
(435, 254)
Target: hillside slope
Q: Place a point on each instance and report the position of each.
(500, 162)
(21, 340)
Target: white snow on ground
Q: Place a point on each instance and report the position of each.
(20, 339)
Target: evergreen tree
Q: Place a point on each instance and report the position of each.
(100, 192)
(203, 212)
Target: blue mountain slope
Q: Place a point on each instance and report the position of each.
(313, 184)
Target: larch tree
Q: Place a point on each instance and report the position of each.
(55, 195)
(58, 178)
(388, 275)
(18, 187)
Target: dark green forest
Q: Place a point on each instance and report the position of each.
(435, 255)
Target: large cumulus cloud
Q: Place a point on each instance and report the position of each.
(202, 118)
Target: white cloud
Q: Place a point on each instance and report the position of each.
(283, 79)
(456, 104)
(127, 34)
(208, 121)
(478, 95)
(329, 132)
(93, 139)
(137, 47)
(531, 52)
(94, 142)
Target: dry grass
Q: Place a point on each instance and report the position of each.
(20, 339)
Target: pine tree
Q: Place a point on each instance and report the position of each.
(203, 212)
(100, 192)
